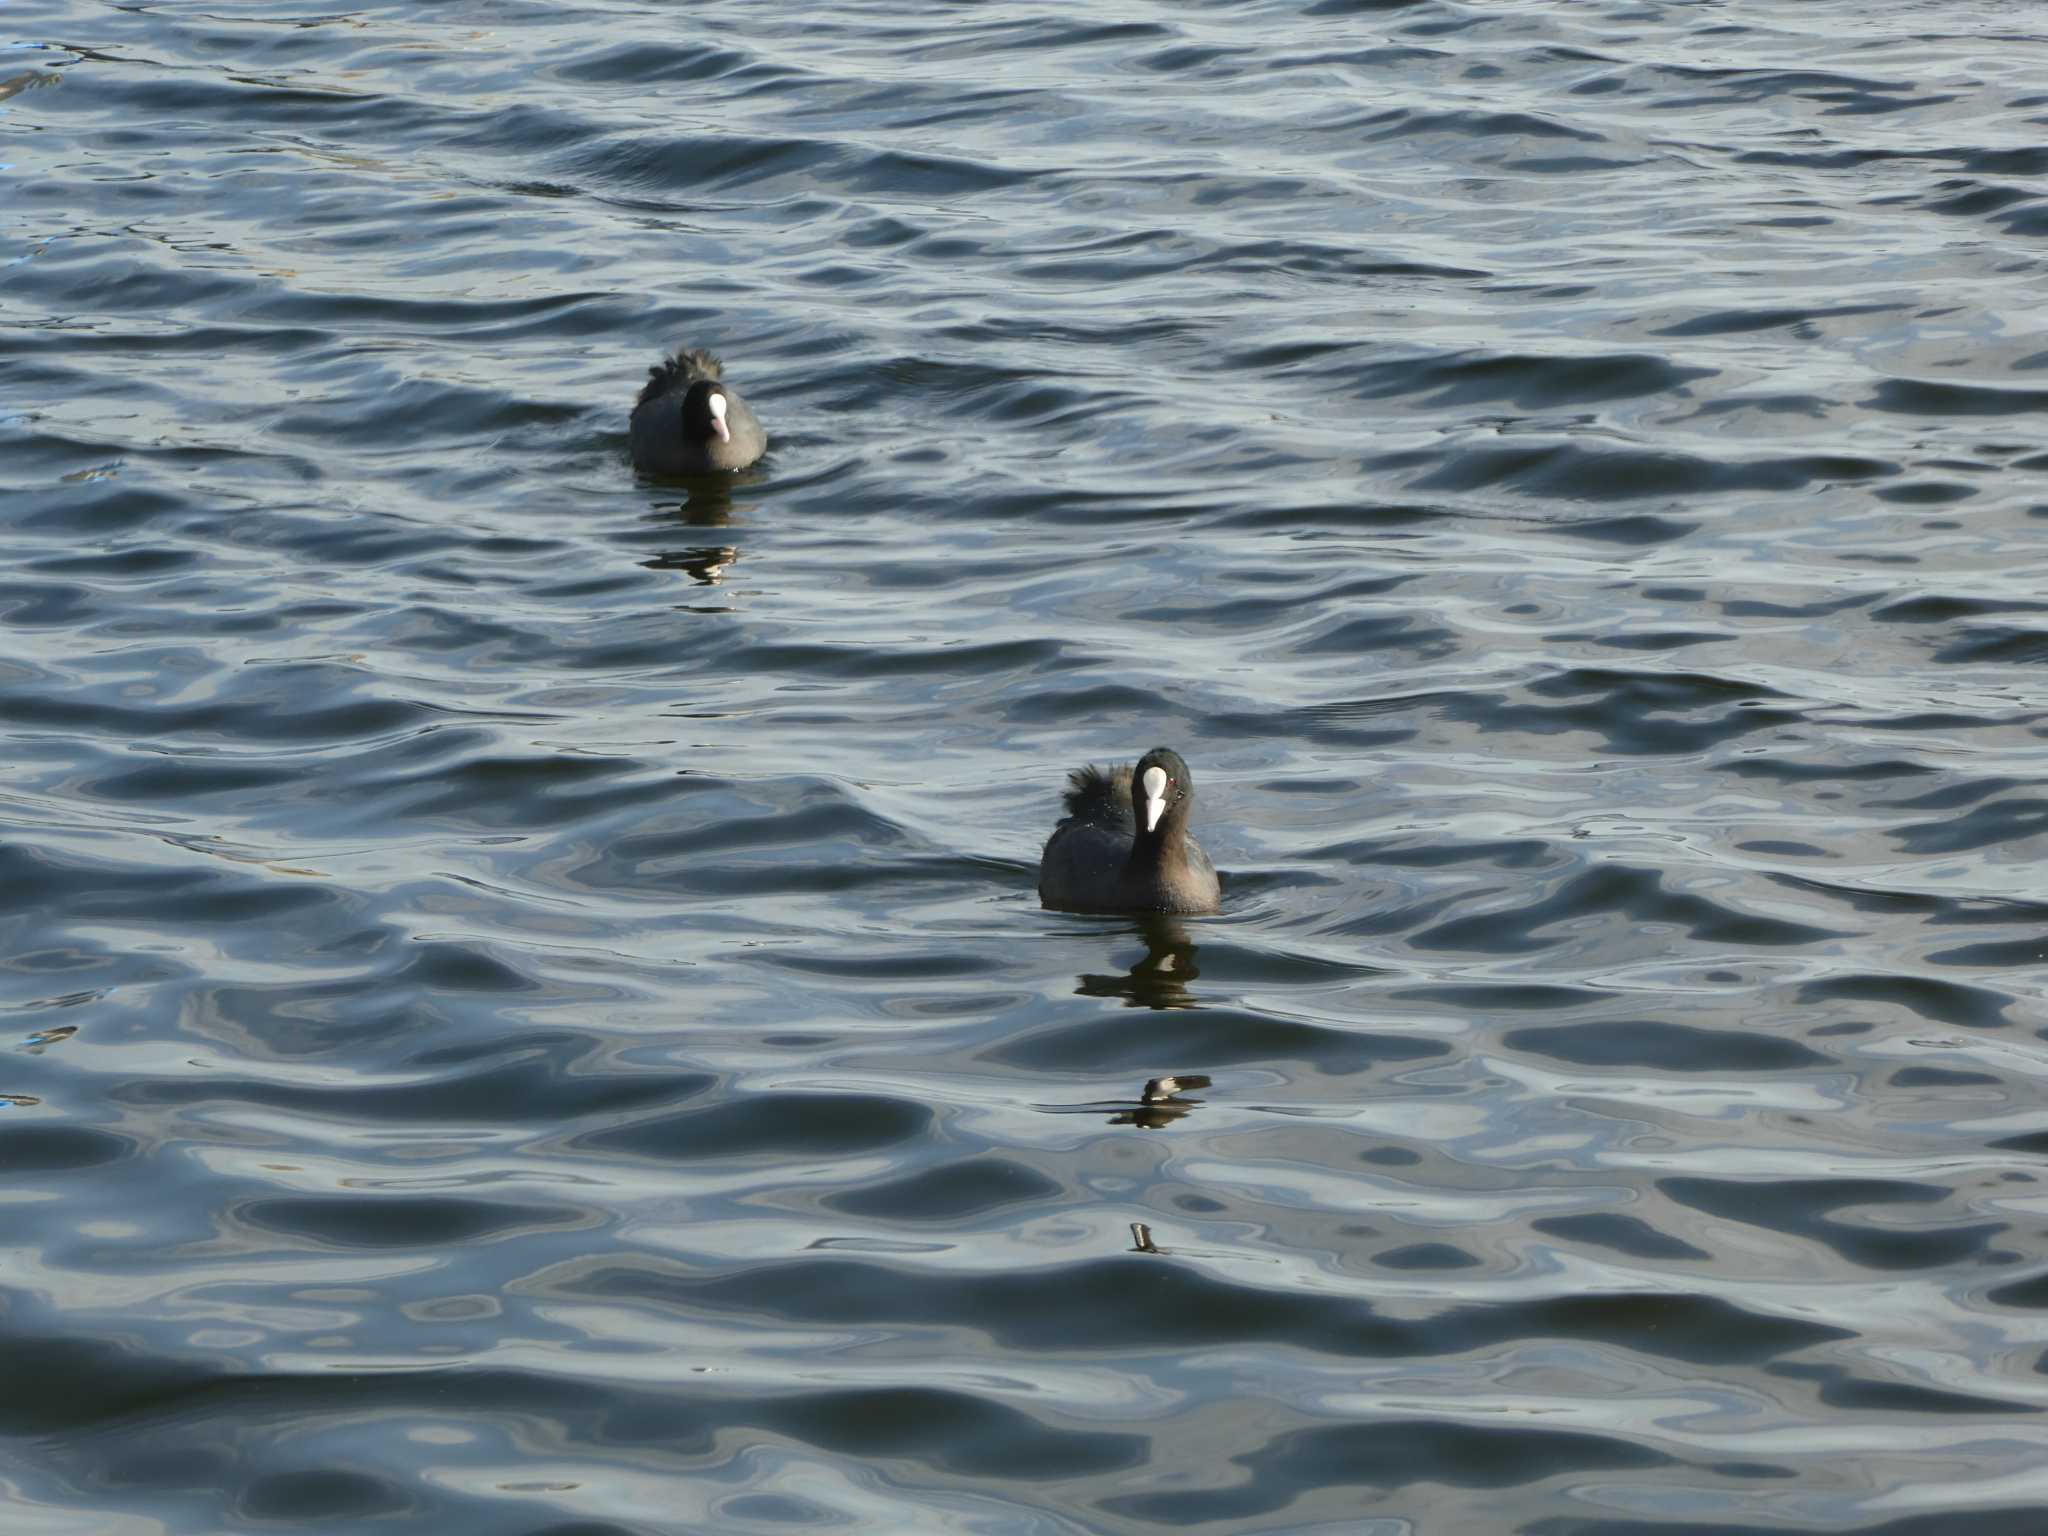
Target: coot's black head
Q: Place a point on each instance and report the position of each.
(704, 408)
(1162, 793)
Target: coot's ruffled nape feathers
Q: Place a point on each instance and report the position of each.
(680, 372)
(1093, 791)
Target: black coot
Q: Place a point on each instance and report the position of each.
(1109, 856)
(689, 421)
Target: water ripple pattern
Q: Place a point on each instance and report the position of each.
(527, 1009)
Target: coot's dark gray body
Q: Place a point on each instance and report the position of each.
(1104, 858)
(689, 421)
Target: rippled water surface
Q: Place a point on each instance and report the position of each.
(527, 1006)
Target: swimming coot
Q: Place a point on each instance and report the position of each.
(1107, 857)
(689, 421)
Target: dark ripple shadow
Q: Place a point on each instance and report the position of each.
(1386, 1453)
(1666, 1047)
(1526, 382)
(1807, 1208)
(1572, 471)
(1639, 895)
(955, 1432)
(1669, 713)
(2017, 1520)
(359, 1221)
(1629, 1236)
(946, 1430)
(324, 1494)
(676, 63)
(952, 1194)
(51, 1148)
(1936, 397)
(1936, 1001)
(38, 878)
(1127, 1305)
(770, 1125)
(473, 1083)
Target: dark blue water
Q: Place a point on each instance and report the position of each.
(526, 1005)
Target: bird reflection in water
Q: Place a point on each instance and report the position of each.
(706, 565)
(34, 1045)
(1160, 979)
(27, 80)
(1159, 1105)
(709, 506)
